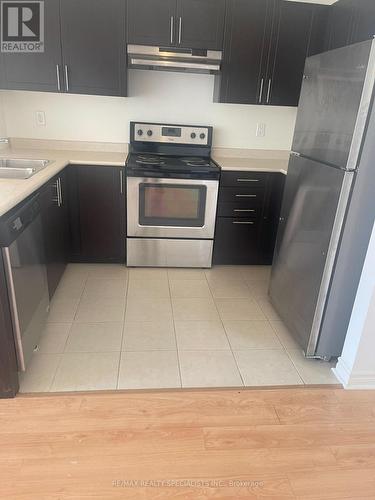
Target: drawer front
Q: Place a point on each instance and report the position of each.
(250, 196)
(243, 179)
(241, 209)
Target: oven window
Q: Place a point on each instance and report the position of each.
(172, 205)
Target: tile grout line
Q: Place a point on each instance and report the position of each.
(71, 326)
(123, 328)
(226, 335)
(174, 330)
(295, 367)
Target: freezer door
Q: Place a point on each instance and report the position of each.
(308, 215)
(333, 108)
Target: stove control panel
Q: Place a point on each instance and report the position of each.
(172, 134)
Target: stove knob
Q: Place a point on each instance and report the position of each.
(193, 135)
(149, 133)
(202, 136)
(140, 132)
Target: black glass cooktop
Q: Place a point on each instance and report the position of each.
(148, 165)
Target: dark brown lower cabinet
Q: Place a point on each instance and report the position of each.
(248, 217)
(8, 361)
(54, 203)
(97, 213)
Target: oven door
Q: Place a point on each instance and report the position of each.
(171, 208)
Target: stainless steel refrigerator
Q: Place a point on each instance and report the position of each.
(329, 201)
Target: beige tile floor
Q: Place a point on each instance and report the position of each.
(112, 327)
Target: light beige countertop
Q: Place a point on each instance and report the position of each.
(253, 160)
(63, 153)
(13, 191)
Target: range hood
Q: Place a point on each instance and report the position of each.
(174, 59)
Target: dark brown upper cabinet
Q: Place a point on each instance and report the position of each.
(265, 46)
(350, 21)
(39, 71)
(299, 32)
(85, 51)
(151, 22)
(246, 45)
(200, 24)
(93, 47)
(176, 23)
(364, 23)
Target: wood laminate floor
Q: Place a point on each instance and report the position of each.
(292, 443)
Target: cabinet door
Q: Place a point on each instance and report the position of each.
(8, 361)
(364, 23)
(151, 22)
(200, 24)
(39, 71)
(341, 24)
(294, 40)
(237, 241)
(55, 229)
(97, 211)
(246, 47)
(93, 45)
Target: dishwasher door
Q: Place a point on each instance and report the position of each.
(28, 289)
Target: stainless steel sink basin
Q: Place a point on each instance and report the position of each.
(21, 168)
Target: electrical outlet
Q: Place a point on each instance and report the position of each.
(40, 118)
(261, 130)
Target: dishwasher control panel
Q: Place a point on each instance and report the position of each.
(18, 220)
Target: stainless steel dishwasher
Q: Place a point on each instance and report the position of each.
(21, 237)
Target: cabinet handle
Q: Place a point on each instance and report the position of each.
(179, 30)
(269, 91)
(57, 198)
(243, 222)
(246, 195)
(261, 90)
(60, 191)
(171, 28)
(247, 180)
(66, 78)
(58, 77)
(243, 210)
(121, 182)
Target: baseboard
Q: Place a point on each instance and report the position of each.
(354, 381)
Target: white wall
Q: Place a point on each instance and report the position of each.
(356, 366)
(155, 96)
(2, 120)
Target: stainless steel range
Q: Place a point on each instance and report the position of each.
(172, 189)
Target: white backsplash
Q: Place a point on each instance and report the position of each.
(154, 96)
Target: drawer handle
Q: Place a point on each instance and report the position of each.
(243, 210)
(247, 180)
(242, 222)
(246, 195)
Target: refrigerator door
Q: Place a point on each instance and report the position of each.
(314, 203)
(334, 104)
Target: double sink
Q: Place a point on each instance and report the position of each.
(21, 168)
